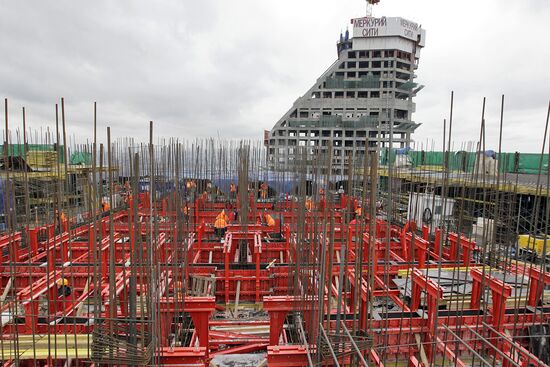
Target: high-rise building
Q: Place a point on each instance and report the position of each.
(364, 98)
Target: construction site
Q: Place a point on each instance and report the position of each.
(279, 252)
(193, 254)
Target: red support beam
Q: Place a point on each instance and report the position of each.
(183, 356)
(286, 356)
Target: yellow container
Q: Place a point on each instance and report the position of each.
(534, 244)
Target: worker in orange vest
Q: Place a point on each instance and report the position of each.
(263, 190)
(220, 225)
(105, 206)
(223, 215)
(60, 221)
(309, 204)
(269, 220)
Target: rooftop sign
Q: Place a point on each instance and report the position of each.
(380, 27)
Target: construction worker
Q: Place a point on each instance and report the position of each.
(190, 186)
(63, 288)
(309, 204)
(232, 191)
(220, 225)
(126, 195)
(263, 190)
(63, 218)
(223, 215)
(269, 220)
(60, 221)
(105, 206)
(233, 214)
(186, 211)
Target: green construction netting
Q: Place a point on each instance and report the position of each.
(529, 163)
(17, 150)
(81, 158)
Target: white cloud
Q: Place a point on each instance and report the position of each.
(233, 68)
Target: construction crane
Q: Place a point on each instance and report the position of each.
(370, 3)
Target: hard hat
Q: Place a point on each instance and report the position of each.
(62, 281)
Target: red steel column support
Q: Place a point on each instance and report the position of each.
(409, 227)
(257, 253)
(425, 232)
(200, 235)
(500, 292)
(421, 246)
(535, 285)
(200, 309)
(277, 307)
(287, 239)
(433, 291)
(453, 247)
(227, 251)
(437, 243)
(433, 294)
(33, 240)
(465, 244)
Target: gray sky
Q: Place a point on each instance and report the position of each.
(233, 68)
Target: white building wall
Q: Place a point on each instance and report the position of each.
(383, 43)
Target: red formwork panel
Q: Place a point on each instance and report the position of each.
(35, 260)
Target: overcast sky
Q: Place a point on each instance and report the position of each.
(233, 68)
